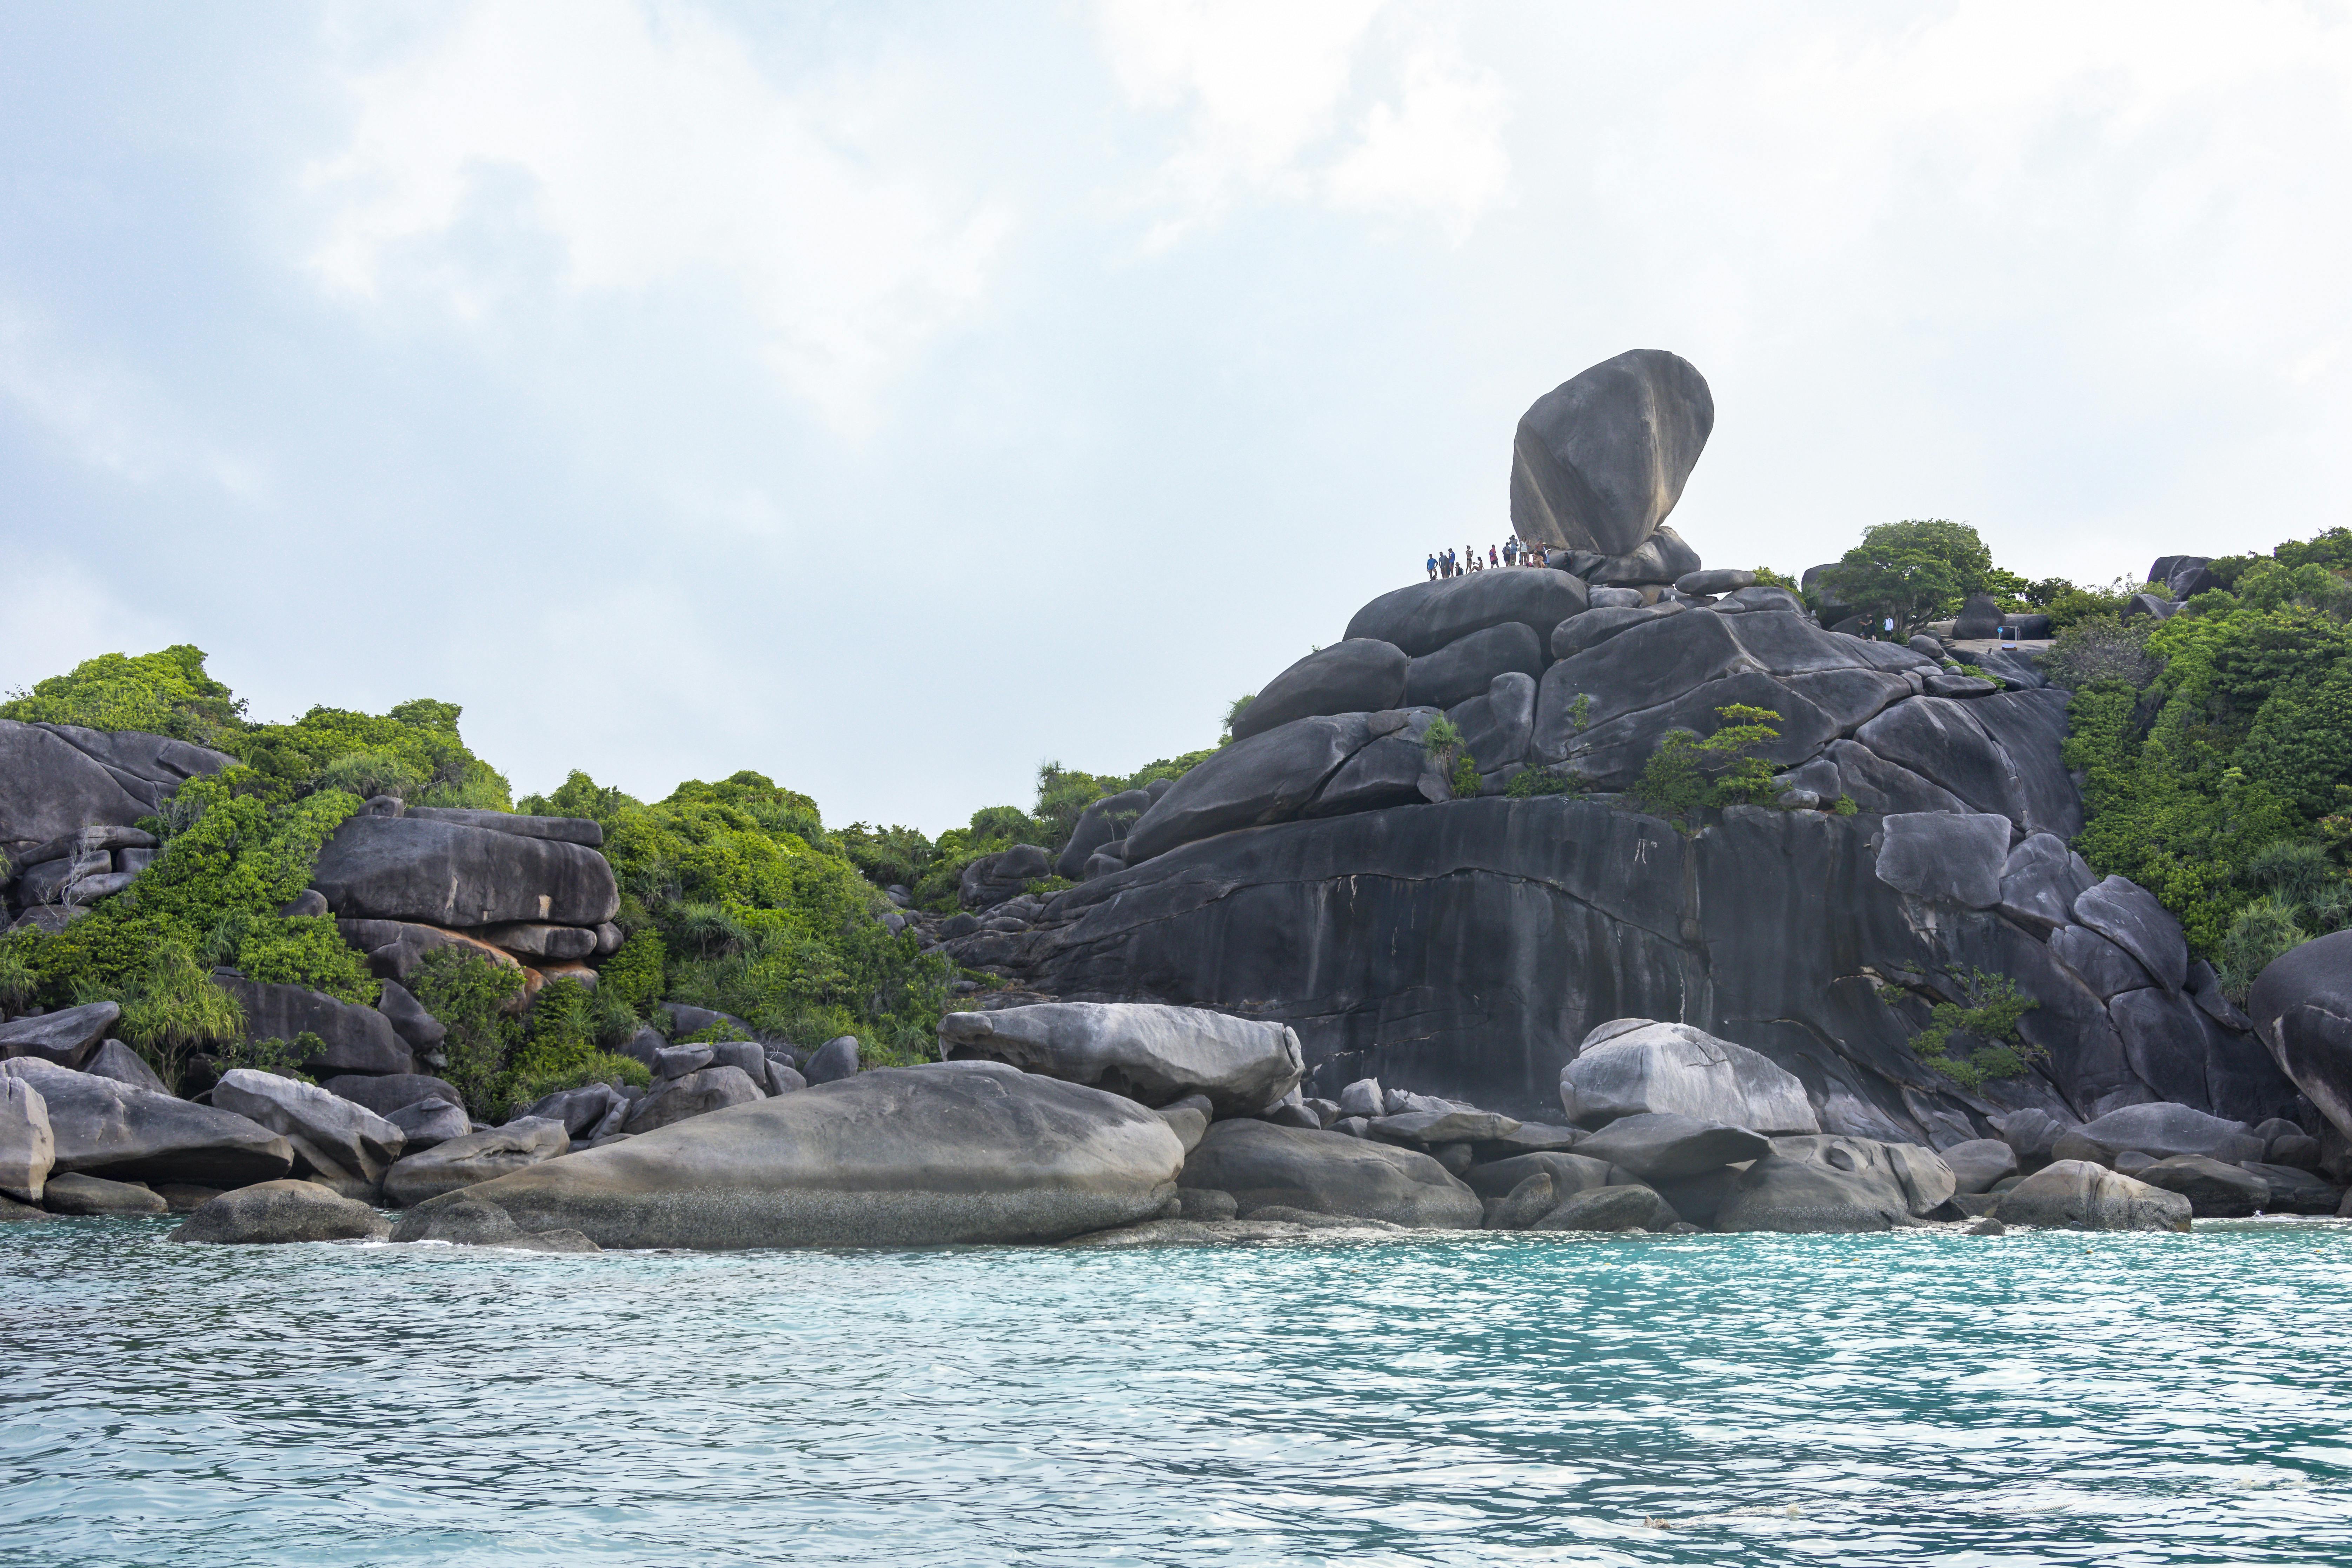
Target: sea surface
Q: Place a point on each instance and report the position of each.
(1921, 1398)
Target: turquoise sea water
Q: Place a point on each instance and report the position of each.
(1920, 1398)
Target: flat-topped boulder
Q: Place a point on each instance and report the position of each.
(2162, 1129)
(1361, 675)
(929, 1156)
(1600, 461)
(1634, 1067)
(447, 873)
(1150, 1053)
(1422, 618)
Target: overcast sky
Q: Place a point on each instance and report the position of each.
(891, 396)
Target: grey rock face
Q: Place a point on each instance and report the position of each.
(1600, 461)
(2164, 1129)
(1422, 618)
(2296, 1191)
(1432, 1129)
(332, 1135)
(744, 1055)
(453, 874)
(474, 1159)
(2302, 1008)
(1997, 754)
(1497, 725)
(993, 879)
(1106, 821)
(1524, 1205)
(78, 1195)
(385, 1093)
(578, 830)
(2214, 1191)
(2040, 881)
(2074, 1195)
(2128, 915)
(1661, 1146)
(1673, 1067)
(1722, 580)
(1148, 1053)
(1569, 1174)
(1628, 1207)
(1263, 1165)
(908, 1156)
(1189, 1118)
(108, 1129)
(56, 779)
(1978, 1163)
(579, 1110)
(1391, 770)
(270, 1213)
(537, 939)
(1832, 1184)
(1946, 858)
(1363, 1098)
(429, 1123)
(783, 1077)
(2105, 970)
(1361, 675)
(1263, 779)
(117, 1061)
(417, 1028)
(27, 1149)
(358, 1039)
(697, 1093)
(1657, 560)
(1464, 668)
(1598, 625)
(66, 1036)
(676, 1061)
(833, 1060)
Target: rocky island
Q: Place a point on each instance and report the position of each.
(1609, 893)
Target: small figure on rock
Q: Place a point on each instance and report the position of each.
(1433, 567)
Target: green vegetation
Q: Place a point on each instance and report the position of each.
(2216, 751)
(173, 1010)
(1768, 578)
(165, 693)
(1991, 1013)
(1533, 782)
(1443, 742)
(1916, 572)
(1686, 776)
(284, 1057)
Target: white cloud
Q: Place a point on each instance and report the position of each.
(1266, 91)
(654, 153)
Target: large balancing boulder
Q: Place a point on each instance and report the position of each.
(1145, 1051)
(108, 1129)
(1422, 618)
(454, 874)
(1361, 675)
(925, 1156)
(1635, 1067)
(1836, 1184)
(1600, 460)
(2074, 1195)
(2302, 1008)
(270, 1213)
(1266, 1166)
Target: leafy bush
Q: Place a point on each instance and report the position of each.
(1913, 571)
(2099, 647)
(165, 693)
(1234, 711)
(471, 996)
(306, 950)
(1991, 1013)
(415, 751)
(1686, 774)
(283, 1058)
(1768, 578)
(1534, 782)
(173, 1009)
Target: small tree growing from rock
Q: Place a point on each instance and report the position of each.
(1687, 774)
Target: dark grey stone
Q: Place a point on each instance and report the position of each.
(1265, 778)
(994, 880)
(2164, 1129)
(1597, 625)
(1430, 1129)
(58, 779)
(964, 1152)
(1570, 1173)
(1978, 619)
(833, 1060)
(2165, 1042)
(2074, 1195)
(429, 1123)
(1721, 580)
(1524, 1203)
(1394, 770)
(357, 1038)
(1621, 598)
(1422, 618)
(338, 1138)
(1879, 787)
(307, 904)
(1946, 858)
(82, 1194)
(1497, 725)
(1661, 1146)
(2302, 1008)
(2151, 605)
(697, 1093)
(476, 1158)
(579, 1110)
(676, 1061)
(117, 1061)
(1836, 1184)
(455, 874)
(387, 1092)
(2040, 881)
(2214, 1191)
(2034, 1134)
(2295, 1191)
(1146, 1052)
(1361, 675)
(578, 830)
(1979, 1162)
(1997, 754)
(108, 1129)
(1599, 461)
(67, 1036)
(1627, 1207)
(1327, 1173)
(2105, 969)
(418, 1028)
(1465, 668)
(1657, 560)
(2129, 916)
(534, 940)
(783, 1077)
(1959, 686)
(1102, 824)
(273, 1213)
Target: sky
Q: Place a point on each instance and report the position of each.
(890, 398)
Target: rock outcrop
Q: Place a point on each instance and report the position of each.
(272, 1213)
(936, 1155)
(2301, 1007)
(1154, 1054)
(1600, 460)
(102, 1128)
(1630, 1067)
(439, 872)
(2074, 1195)
(1266, 1166)
(59, 779)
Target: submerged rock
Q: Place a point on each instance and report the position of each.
(1146, 1052)
(78, 1195)
(901, 1156)
(278, 1212)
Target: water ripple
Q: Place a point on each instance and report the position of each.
(1921, 1398)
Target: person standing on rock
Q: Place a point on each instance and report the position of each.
(1433, 567)
(1492, 558)
(1511, 550)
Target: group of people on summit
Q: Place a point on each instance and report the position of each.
(1447, 563)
